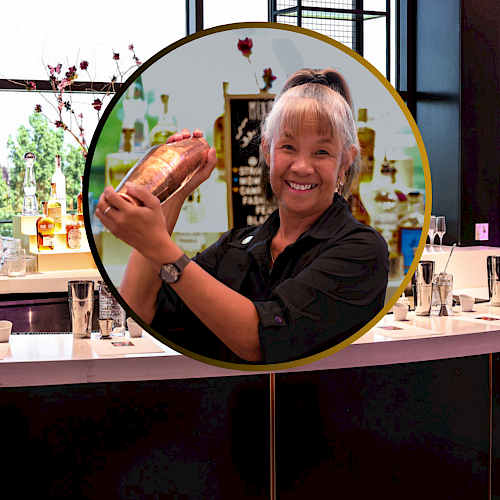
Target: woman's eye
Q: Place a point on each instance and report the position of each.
(322, 152)
(287, 146)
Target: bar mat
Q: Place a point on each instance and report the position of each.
(122, 345)
(401, 330)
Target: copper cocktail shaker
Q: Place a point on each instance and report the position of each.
(165, 168)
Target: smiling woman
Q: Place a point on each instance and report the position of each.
(307, 279)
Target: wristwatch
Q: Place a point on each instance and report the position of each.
(170, 273)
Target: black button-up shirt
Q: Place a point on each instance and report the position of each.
(322, 289)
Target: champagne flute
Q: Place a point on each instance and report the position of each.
(440, 229)
(432, 232)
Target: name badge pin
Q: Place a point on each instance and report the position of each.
(247, 240)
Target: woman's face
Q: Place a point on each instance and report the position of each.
(304, 170)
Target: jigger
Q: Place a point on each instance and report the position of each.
(106, 325)
(165, 168)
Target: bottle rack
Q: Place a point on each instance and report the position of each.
(59, 259)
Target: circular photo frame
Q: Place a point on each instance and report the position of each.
(223, 81)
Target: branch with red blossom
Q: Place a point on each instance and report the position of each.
(245, 47)
(64, 103)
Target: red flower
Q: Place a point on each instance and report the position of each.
(245, 46)
(116, 56)
(38, 108)
(84, 65)
(60, 124)
(30, 86)
(268, 76)
(97, 104)
(71, 73)
(130, 47)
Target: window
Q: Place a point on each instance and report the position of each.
(37, 36)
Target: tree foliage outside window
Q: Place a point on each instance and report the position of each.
(46, 142)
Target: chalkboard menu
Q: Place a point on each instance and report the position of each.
(242, 119)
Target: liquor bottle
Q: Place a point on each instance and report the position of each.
(30, 202)
(191, 236)
(357, 207)
(165, 127)
(73, 234)
(218, 137)
(79, 204)
(386, 215)
(366, 137)
(45, 230)
(54, 208)
(118, 164)
(135, 107)
(410, 229)
(59, 179)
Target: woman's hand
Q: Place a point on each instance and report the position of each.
(208, 164)
(141, 227)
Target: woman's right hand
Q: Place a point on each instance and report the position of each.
(209, 162)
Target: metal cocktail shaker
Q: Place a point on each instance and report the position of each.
(422, 287)
(165, 168)
(493, 265)
(81, 307)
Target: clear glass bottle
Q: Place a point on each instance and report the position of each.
(218, 136)
(59, 179)
(110, 308)
(165, 127)
(386, 215)
(54, 208)
(45, 228)
(30, 203)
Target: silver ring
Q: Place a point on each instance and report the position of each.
(107, 210)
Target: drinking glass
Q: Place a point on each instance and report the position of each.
(440, 229)
(432, 232)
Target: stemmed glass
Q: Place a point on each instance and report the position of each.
(432, 232)
(440, 230)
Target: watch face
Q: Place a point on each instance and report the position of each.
(169, 273)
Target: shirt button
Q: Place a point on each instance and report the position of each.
(278, 319)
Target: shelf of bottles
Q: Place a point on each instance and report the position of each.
(385, 198)
(57, 238)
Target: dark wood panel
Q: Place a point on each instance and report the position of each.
(408, 431)
(196, 439)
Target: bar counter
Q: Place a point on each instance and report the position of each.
(37, 359)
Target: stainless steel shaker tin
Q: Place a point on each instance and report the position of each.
(81, 307)
(423, 280)
(493, 266)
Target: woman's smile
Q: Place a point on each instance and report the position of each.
(297, 186)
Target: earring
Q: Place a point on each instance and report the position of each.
(340, 185)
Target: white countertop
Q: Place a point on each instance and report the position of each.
(53, 359)
(47, 282)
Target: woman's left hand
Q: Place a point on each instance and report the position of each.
(141, 227)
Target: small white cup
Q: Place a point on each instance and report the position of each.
(5, 329)
(134, 329)
(400, 311)
(467, 303)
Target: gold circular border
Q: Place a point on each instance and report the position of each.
(428, 194)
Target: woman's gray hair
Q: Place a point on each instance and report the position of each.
(324, 96)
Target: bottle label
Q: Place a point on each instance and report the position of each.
(191, 242)
(46, 227)
(48, 241)
(409, 239)
(74, 238)
(387, 226)
(56, 214)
